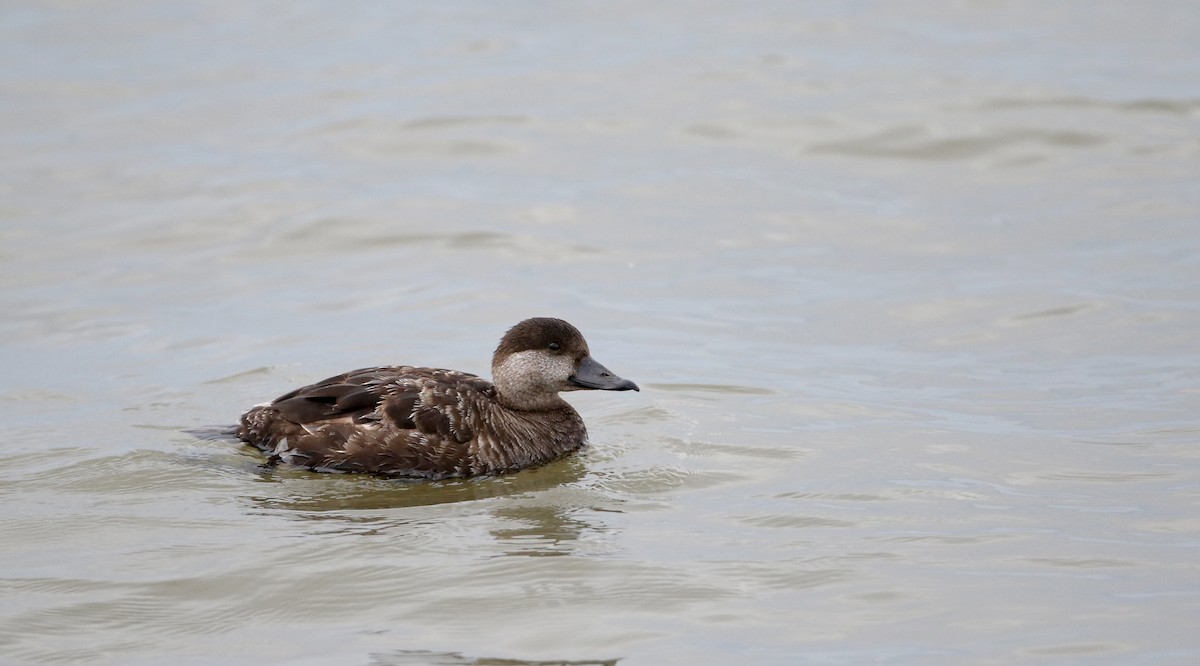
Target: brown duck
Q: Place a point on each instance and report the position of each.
(432, 423)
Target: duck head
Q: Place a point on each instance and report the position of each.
(540, 357)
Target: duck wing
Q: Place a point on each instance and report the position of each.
(354, 395)
(396, 420)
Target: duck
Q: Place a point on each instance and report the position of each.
(432, 423)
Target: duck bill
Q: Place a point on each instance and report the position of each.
(592, 375)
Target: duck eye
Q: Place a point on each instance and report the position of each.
(553, 346)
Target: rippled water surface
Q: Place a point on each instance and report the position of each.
(912, 291)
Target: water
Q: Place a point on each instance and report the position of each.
(911, 291)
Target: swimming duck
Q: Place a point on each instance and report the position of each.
(433, 423)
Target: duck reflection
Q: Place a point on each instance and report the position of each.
(424, 658)
(542, 531)
(545, 512)
(316, 492)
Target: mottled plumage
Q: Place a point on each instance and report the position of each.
(432, 423)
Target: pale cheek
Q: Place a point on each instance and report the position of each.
(534, 372)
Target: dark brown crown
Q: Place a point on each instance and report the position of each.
(540, 333)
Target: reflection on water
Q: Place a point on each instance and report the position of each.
(419, 658)
(542, 530)
(302, 490)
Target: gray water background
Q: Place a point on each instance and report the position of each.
(912, 291)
